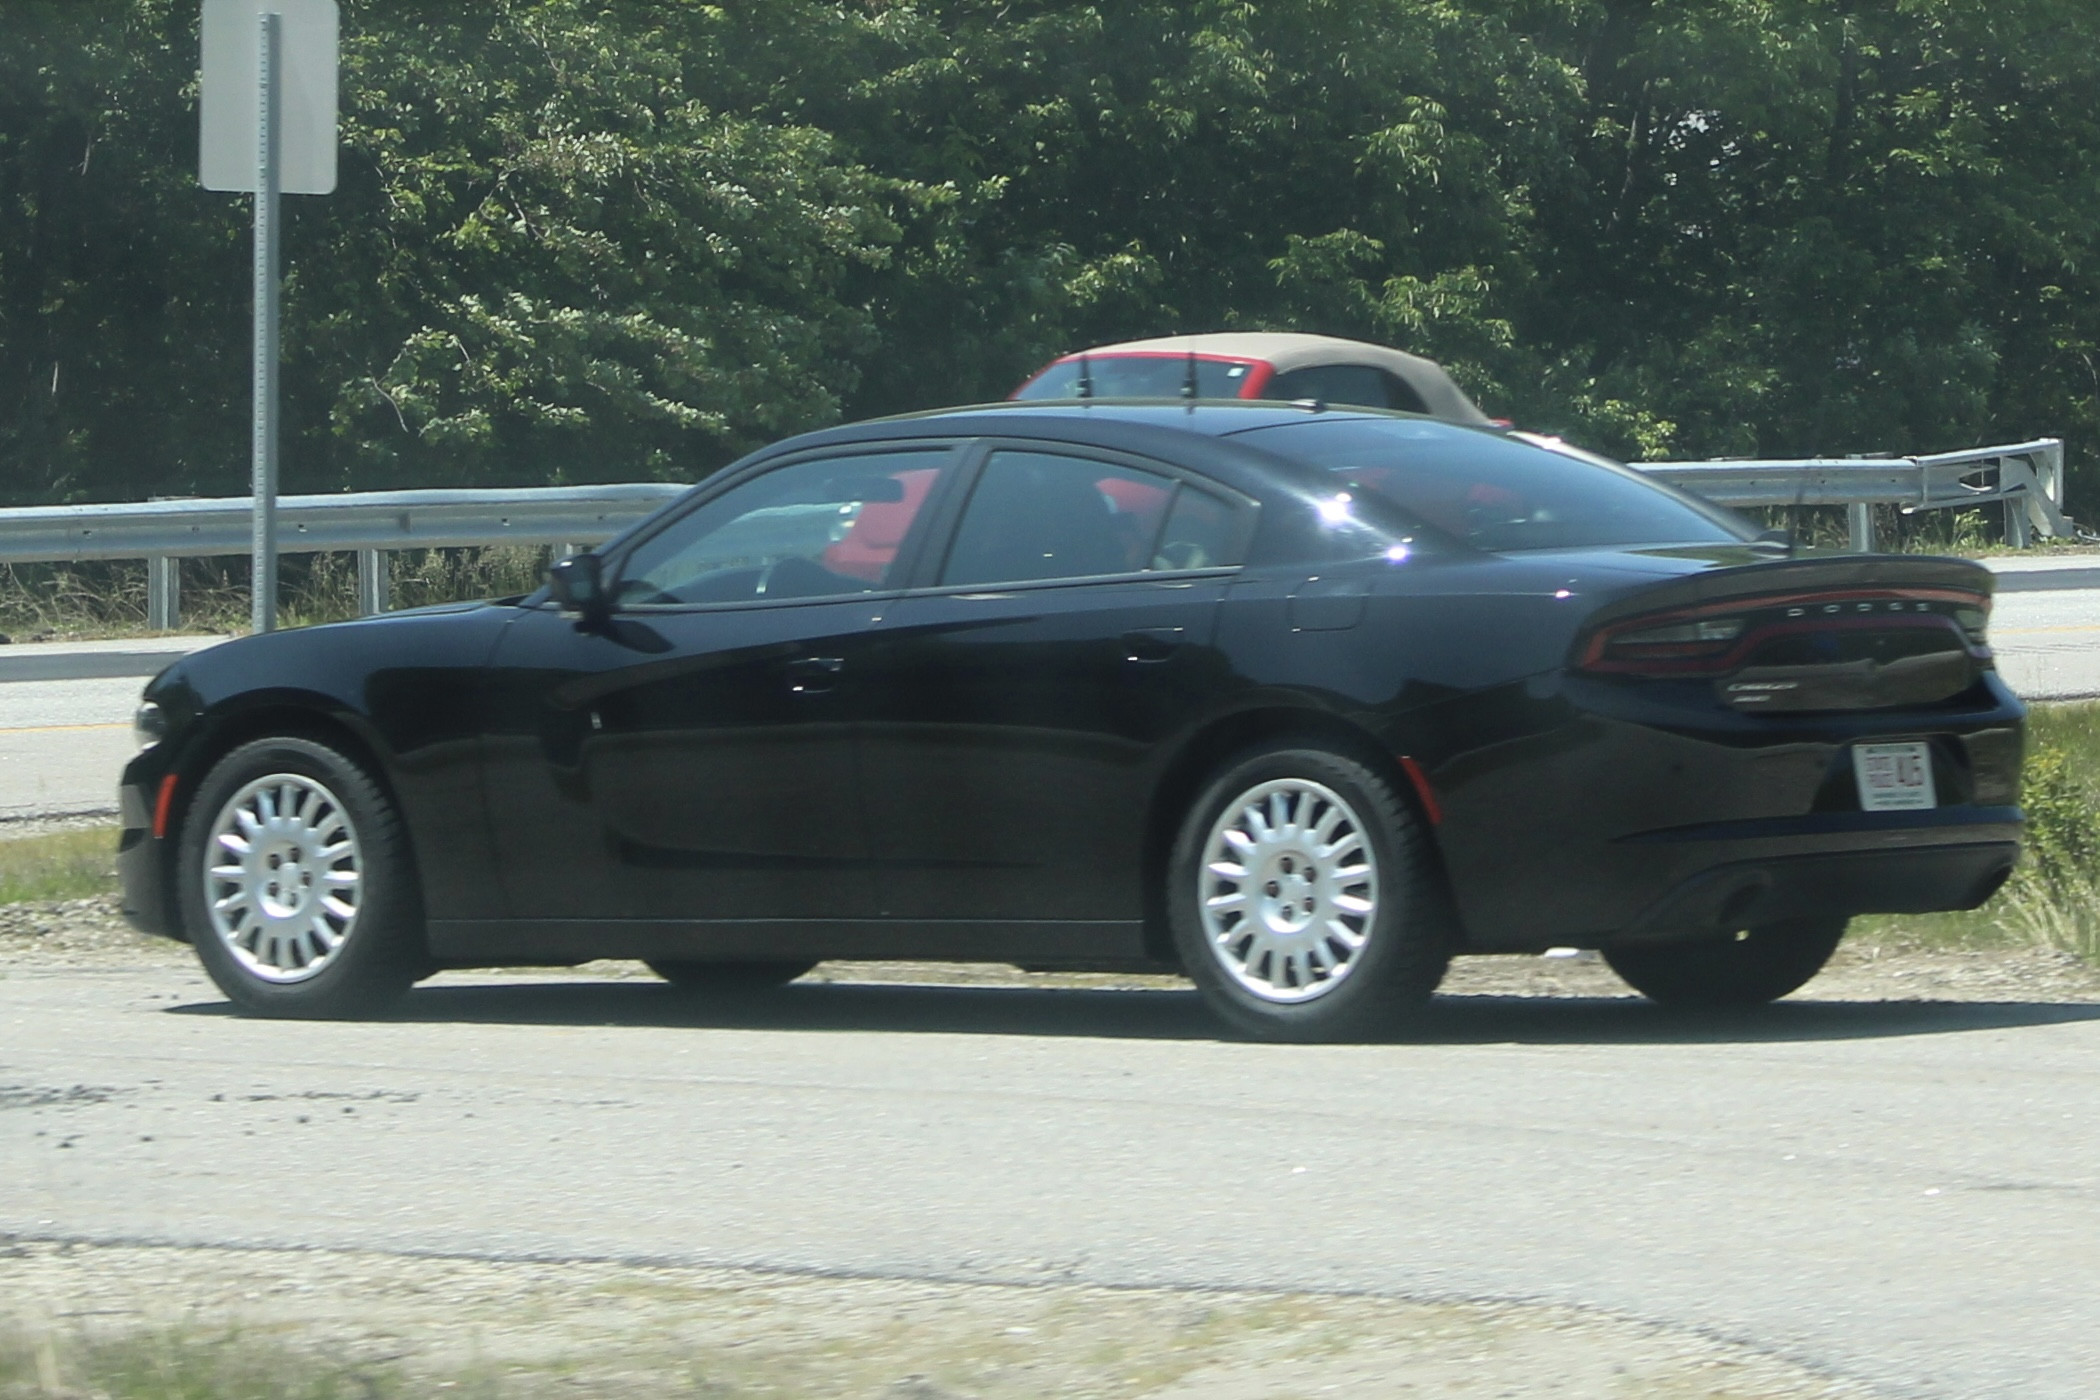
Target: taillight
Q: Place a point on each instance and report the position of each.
(1705, 637)
(1718, 637)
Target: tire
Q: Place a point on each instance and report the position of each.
(1339, 930)
(332, 925)
(728, 978)
(1755, 966)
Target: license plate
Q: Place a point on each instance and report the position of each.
(1894, 777)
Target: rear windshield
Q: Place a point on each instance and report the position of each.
(1493, 493)
(1139, 377)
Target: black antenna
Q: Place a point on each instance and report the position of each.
(1086, 377)
(1188, 385)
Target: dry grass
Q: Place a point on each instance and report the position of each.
(46, 602)
(75, 864)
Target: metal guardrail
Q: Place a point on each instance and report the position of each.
(2028, 477)
(371, 523)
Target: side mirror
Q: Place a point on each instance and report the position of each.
(577, 584)
(1778, 537)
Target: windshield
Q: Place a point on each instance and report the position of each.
(1493, 493)
(1139, 377)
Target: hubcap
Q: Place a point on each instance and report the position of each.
(282, 877)
(1289, 890)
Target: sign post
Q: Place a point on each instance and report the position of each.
(267, 126)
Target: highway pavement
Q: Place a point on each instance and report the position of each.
(1903, 1194)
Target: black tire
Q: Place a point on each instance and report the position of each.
(381, 949)
(728, 978)
(1752, 967)
(1283, 993)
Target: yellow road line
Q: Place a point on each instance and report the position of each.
(59, 728)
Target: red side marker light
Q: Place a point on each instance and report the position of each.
(1423, 790)
(162, 805)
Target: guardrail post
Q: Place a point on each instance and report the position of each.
(1859, 520)
(163, 592)
(2018, 532)
(372, 581)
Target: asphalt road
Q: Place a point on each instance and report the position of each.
(1904, 1194)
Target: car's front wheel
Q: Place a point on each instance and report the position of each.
(1748, 968)
(296, 884)
(1302, 898)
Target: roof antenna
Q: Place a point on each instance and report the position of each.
(1188, 385)
(1086, 377)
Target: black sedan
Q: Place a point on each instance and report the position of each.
(1301, 702)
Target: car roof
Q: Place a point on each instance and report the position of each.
(1289, 350)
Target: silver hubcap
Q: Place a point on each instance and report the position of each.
(1289, 890)
(282, 877)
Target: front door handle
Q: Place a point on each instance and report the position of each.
(813, 675)
(1151, 643)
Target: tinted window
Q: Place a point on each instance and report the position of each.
(808, 530)
(1339, 384)
(1489, 491)
(1202, 532)
(1038, 515)
(1139, 377)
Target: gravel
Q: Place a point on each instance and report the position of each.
(91, 933)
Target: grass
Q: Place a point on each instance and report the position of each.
(183, 1366)
(75, 864)
(48, 602)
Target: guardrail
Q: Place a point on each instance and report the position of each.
(371, 523)
(2027, 476)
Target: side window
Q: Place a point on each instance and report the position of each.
(1202, 532)
(809, 530)
(1402, 395)
(1360, 385)
(1041, 515)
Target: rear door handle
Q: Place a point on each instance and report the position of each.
(813, 675)
(1151, 643)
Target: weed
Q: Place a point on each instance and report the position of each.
(58, 865)
(41, 602)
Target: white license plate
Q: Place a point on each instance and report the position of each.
(1894, 777)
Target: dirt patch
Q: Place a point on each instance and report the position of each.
(604, 1329)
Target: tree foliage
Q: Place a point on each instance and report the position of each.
(613, 239)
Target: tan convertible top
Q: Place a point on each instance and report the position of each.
(1288, 350)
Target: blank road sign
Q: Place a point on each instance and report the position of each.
(306, 87)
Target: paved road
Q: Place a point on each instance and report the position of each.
(1908, 1194)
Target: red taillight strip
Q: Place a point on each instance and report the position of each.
(1431, 808)
(162, 806)
(1593, 658)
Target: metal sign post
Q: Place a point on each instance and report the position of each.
(274, 138)
(262, 452)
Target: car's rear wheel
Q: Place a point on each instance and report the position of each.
(296, 884)
(1748, 968)
(1302, 898)
(728, 978)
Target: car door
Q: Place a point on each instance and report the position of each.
(693, 757)
(1019, 703)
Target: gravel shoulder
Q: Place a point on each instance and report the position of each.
(91, 933)
(591, 1328)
